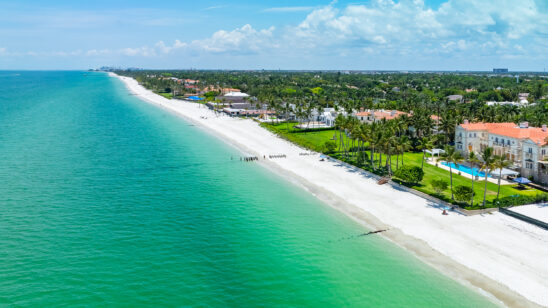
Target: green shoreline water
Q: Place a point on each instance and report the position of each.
(107, 200)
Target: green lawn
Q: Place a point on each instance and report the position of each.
(166, 95)
(315, 140)
(433, 172)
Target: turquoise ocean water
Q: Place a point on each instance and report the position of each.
(106, 200)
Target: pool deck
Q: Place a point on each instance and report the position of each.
(466, 175)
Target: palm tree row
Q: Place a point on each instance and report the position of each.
(382, 139)
(484, 162)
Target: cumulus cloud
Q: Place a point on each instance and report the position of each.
(412, 23)
(163, 48)
(245, 39)
(515, 28)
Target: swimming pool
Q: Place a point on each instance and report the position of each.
(466, 169)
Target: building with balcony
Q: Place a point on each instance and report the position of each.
(526, 147)
(370, 116)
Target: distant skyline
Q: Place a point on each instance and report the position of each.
(302, 35)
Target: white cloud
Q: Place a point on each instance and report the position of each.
(215, 7)
(144, 51)
(244, 39)
(410, 24)
(289, 9)
(384, 28)
(96, 52)
(163, 48)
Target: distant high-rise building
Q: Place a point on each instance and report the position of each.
(500, 70)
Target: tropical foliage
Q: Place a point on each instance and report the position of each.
(423, 94)
(463, 193)
(439, 185)
(383, 147)
(410, 174)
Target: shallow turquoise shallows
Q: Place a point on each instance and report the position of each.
(107, 200)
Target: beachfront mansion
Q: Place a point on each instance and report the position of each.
(526, 147)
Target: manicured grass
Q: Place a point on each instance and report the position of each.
(166, 95)
(433, 172)
(315, 140)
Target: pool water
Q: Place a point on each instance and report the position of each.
(466, 169)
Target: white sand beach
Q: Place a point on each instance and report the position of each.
(536, 211)
(495, 253)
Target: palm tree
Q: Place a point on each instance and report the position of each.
(405, 145)
(390, 142)
(447, 124)
(425, 143)
(364, 135)
(487, 163)
(451, 157)
(375, 141)
(500, 162)
(340, 123)
(398, 147)
(353, 130)
(473, 161)
(287, 109)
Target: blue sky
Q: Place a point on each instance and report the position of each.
(211, 34)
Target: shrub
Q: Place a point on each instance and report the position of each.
(463, 193)
(410, 174)
(521, 199)
(330, 146)
(439, 185)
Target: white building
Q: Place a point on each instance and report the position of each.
(521, 103)
(526, 147)
(328, 117)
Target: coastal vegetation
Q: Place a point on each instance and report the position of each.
(435, 181)
(433, 105)
(452, 97)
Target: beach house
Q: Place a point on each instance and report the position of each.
(526, 147)
(328, 117)
(370, 116)
(233, 97)
(456, 97)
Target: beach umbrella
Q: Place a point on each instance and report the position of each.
(522, 180)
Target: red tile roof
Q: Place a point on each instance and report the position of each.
(382, 114)
(511, 130)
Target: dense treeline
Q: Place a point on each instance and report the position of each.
(425, 94)
(430, 120)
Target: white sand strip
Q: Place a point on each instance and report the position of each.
(503, 256)
(536, 211)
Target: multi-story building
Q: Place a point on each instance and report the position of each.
(526, 147)
(370, 116)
